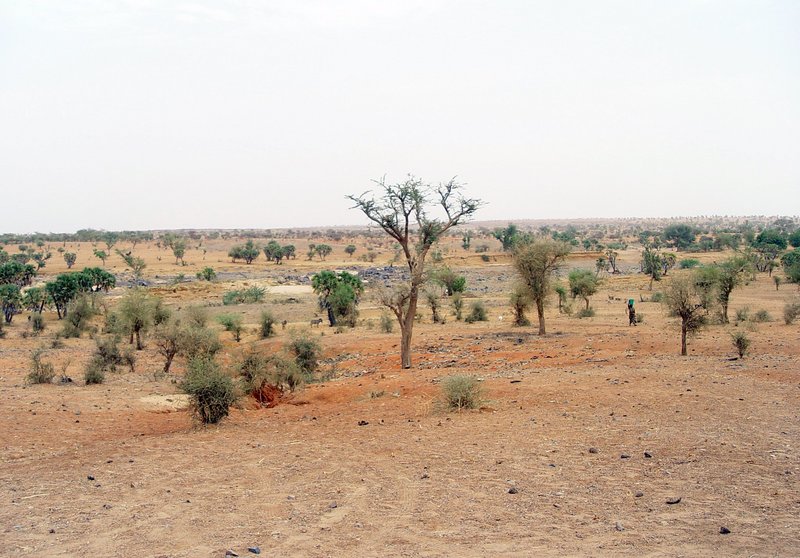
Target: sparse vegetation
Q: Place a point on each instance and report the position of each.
(461, 392)
(387, 324)
(761, 316)
(210, 391)
(740, 342)
(306, 352)
(41, 372)
(233, 323)
(477, 313)
(266, 324)
(536, 262)
(589, 313)
(791, 311)
(250, 295)
(207, 274)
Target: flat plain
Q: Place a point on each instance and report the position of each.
(369, 463)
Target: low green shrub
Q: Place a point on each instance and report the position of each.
(232, 323)
(306, 352)
(461, 392)
(41, 372)
(251, 295)
(387, 323)
(477, 313)
(790, 312)
(94, 373)
(761, 316)
(657, 296)
(742, 314)
(207, 274)
(740, 342)
(211, 392)
(37, 323)
(267, 324)
(588, 313)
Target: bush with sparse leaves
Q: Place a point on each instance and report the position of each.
(251, 295)
(790, 312)
(740, 342)
(477, 313)
(461, 392)
(306, 351)
(232, 323)
(211, 392)
(41, 372)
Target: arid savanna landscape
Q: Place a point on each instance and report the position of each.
(597, 438)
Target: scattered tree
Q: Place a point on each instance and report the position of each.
(274, 251)
(583, 283)
(102, 255)
(338, 295)
(323, 250)
(247, 252)
(536, 262)
(10, 301)
(401, 212)
(683, 299)
(70, 258)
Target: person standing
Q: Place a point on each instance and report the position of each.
(631, 313)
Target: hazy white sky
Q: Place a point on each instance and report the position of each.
(137, 114)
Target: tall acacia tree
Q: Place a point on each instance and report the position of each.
(402, 212)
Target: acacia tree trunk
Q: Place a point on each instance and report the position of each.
(139, 345)
(169, 356)
(684, 329)
(407, 327)
(540, 311)
(331, 316)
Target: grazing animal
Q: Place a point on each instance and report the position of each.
(316, 322)
(283, 324)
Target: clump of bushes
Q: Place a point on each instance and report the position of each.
(232, 323)
(41, 372)
(387, 323)
(211, 392)
(458, 305)
(207, 274)
(250, 295)
(94, 373)
(743, 314)
(761, 316)
(265, 378)
(37, 323)
(588, 313)
(461, 392)
(306, 352)
(688, 263)
(790, 312)
(77, 319)
(477, 313)
(740, 342)
(657, 296)
(267, 324)
(107, 356)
